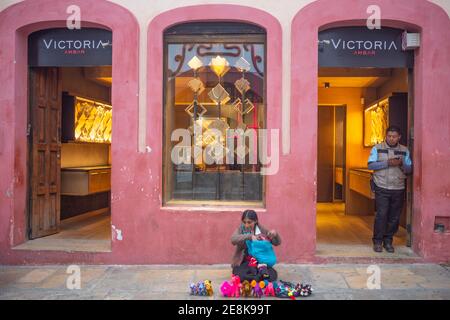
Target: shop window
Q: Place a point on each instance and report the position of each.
(214, 92)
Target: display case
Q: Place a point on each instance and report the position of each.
(359, 181)
(379, 115)
(82, 181)
(85, 120)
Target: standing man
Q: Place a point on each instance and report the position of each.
(391, 162)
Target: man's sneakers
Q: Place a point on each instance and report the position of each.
(388, 246)
(377, 247)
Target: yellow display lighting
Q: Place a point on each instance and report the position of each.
(376, 121)
(93, 121)
(219, 66)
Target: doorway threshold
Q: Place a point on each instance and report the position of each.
(66, 245)
(364, 253)
(89, 232)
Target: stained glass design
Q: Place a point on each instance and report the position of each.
(226, 81)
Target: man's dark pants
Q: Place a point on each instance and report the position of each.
(389, 205)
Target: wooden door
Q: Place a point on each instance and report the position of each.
(45, 151)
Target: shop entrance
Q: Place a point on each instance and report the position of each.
(69, 140)
(361, 92)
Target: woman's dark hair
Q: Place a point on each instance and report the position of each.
(249, 214)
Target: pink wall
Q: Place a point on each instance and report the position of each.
(432, 115)
(152, 234)
(16, 23)
(213, 228)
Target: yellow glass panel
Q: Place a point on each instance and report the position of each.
(93, 121)
(376, 122)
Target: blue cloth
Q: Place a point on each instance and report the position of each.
(373, 163)
(262, 251)
(407, 163)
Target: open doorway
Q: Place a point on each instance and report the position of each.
(360, 93)
(348, 97)
(69, 141)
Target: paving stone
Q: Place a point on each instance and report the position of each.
(327, 280)
(36, 275)
(356, 281)
(212, 275)
(160, 278)
(10, 276)
(345, 270)
(172, 287)
(297, 275)
(55, 281)
(331, 281)
(401, 281)
(91, 277)
(338, 296)
(436, 283)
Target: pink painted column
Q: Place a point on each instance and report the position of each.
(16, 23)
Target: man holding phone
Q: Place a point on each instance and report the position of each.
(391, 163)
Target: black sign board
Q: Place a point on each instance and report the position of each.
(62, 47)
(362, 47)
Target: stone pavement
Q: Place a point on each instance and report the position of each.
(330, 281)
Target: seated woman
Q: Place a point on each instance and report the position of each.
(243, 265)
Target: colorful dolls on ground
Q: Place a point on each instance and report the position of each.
(193, 288)
(286, 289)
(305, 290)
(257, 288)
(291, 293)
(208, 288)
(246, 289)
(236, 286)
(226, 288)
(269, 290)
(201, 288)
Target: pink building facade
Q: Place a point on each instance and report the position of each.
(154, 233)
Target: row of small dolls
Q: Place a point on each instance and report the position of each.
(235, 288)
(202, 288)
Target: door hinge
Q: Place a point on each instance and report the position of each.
(28, 129)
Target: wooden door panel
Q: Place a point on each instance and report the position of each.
(45, 116)
(40, 123)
